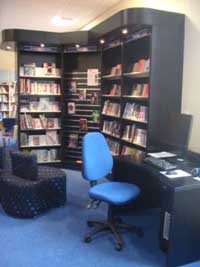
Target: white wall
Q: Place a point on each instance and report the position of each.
(191, 75)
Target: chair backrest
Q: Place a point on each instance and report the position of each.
(24, 165)
(96, 156)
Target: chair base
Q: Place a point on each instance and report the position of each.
(112, 226)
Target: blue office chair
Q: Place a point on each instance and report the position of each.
(98, 163)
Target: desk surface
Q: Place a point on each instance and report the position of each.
(187, 165)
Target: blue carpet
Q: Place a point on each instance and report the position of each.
(55, 238)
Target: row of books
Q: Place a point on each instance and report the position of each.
(44, 104)
(45, 155)
(3, 98)
(28, 86)
(111, 127)
(50, 138)
(4, 106)
(140, 90)
(47, 69)
(116, 70)
(73, 140)
(4, 88)
(142, 65)
(135, 135)
(114, 147)
(136, 112)
(29, 122)
(115, 90)
(111, 108)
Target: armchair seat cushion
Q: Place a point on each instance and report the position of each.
(114, 193)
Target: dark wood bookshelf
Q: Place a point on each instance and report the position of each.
(27, 55)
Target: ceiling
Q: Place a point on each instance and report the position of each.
(38, 14)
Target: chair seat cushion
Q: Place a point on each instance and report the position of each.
(114, 193)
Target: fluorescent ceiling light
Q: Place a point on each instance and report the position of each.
(59, 21)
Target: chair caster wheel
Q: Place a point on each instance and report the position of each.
(118, 247)
(140, 233)
(90, 224)
(87, 239)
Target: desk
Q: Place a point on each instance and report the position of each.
(179, 202)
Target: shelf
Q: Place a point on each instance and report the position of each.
(137, 74)
(110, 135)
(75, 148)
(75, 131)
(40, 129)
(52, 161)
(4, 93)
(132, 143)
(136, 97)
(88, 105)
(28, 146)
(90, 89)
(40, 77)
(144, 122)
(38, 112)
(79, 115)
(111, 96)
(46, 95)
(90, 122)
(117, 117)
(112, 77)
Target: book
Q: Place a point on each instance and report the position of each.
(73, 140)
(52, 138)
(29, 69)
(34, 140)
(33, 106)
(82, 94)
(114, 147)
(145, 91)
(83, 124)
(49, 69)
(96, 116)
(142, 65)
(72, 86)
(116, 70)
(50, 123)
(112, 128)
(44, 104)
(71, 107)
(115, 90)
(94, 98)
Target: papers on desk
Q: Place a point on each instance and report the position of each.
(176, 174)
(197, 178)
(162, 154)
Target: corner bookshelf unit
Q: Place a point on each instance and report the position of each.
(39, 98)
(139, 83)
(81, 98)
(132, 111)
